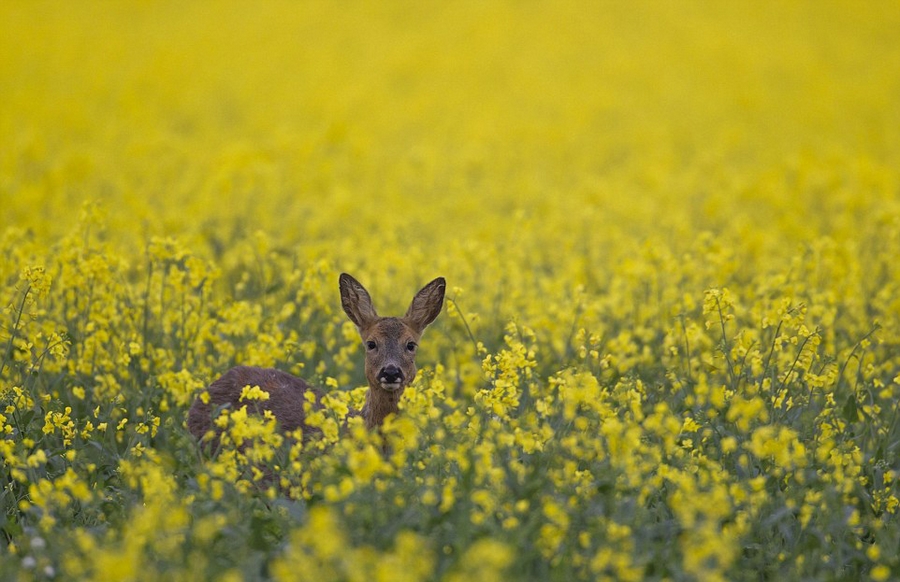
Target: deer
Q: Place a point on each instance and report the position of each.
(390, 345)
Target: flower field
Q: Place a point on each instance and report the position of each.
(670, 346)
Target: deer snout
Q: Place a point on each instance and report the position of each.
(390, 375)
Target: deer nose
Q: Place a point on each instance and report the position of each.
(390, 374)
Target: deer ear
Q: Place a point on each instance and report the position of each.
(426, 305)
(356, 302)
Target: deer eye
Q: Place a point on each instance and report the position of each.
(370, 345)
(411, 346)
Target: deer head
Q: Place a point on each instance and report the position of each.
(390, 342)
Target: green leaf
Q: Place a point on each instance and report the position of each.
(850, 411)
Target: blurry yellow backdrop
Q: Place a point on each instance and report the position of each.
(433, 122)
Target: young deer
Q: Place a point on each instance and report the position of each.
(390, 344)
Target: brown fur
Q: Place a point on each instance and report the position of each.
(387, 341)
(286, 398)
(379, 404)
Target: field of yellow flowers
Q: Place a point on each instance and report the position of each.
(670, 348)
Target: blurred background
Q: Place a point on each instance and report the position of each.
(316, 121)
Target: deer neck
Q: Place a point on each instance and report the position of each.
(380, 403)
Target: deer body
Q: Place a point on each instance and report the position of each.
(287, 394)
(390, 345)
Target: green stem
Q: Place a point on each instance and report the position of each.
(15, 330)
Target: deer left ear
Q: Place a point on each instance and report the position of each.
(426, 305)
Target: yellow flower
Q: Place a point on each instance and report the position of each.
(485, 560)
(254, 393)
(36, 459)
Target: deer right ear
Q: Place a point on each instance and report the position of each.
(356, 302)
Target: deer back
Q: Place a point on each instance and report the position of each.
(287, 395)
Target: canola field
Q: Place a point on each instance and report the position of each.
(670, 348)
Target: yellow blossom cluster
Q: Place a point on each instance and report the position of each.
(670, 348)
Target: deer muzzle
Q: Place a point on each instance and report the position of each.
(390, 377)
